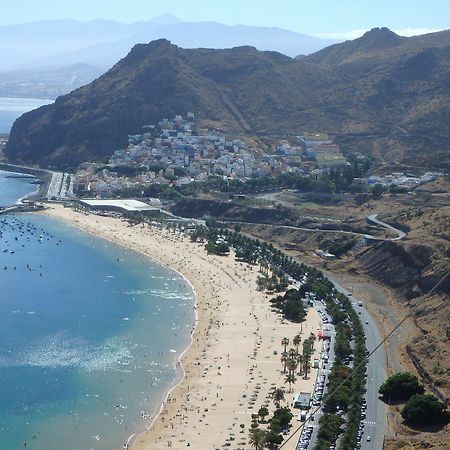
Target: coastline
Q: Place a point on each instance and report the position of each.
(230, 365)
(42, 176)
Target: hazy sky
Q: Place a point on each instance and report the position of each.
(336, 18)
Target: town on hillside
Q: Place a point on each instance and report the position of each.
(175, 152)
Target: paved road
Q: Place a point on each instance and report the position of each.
(376, 414)
(400, 234)
(372, 218)
(375, 422)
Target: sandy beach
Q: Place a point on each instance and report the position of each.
(230, 367)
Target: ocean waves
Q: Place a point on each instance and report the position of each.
(161, 293)
(63, 351)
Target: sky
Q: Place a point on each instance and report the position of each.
(326, 18)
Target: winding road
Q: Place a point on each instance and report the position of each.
(372, 218)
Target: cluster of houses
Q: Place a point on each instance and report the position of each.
(175, 152)
(317, 148)
(402, 180)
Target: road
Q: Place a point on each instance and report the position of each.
(400, 234)
(372, 218)
(376, 414)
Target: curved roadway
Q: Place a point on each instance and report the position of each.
(372, 218)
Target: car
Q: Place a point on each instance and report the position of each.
(367, 322)
(368, 439)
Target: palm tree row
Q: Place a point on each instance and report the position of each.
(295, 363)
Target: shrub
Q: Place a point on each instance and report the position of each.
(401, 386)
(425, 410)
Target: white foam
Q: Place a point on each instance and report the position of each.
(59, 350)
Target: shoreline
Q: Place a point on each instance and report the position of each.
(131, 439)
(42, 176)
(233, 347)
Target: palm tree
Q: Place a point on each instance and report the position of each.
(296, 341)
(257, 438)
(306, 367)
(277, 396)
(300, 361)
(285, 343)
(290, 378)
(284, 359)
(291, 365)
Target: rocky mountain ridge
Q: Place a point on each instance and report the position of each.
(393, 105)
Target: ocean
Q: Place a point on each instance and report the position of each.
(12, 189)
(12, 108)
(90, 336)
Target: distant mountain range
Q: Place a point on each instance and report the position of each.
(47, 59)
(381, 94)
(102, 43)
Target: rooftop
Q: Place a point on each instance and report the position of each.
(125, 204)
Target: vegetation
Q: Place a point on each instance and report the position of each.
(278, 396)
(291, 305)
(400, 386)
(257, 438)
(271, 438)
(425, 410)
(217, 248)
(330, 427)
(263, 412)
(281, 419)
(338, 246)
(328, 183)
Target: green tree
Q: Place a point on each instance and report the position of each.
(278, 396)
(283, 416)
(263, 412)
(284, 343)
(330, 427)
(401, 386)
(425, 410)
(257, 438)
(273, 439)
(284, 359)
(217, 248)
(297, 340)
(377, 190)
(290, 379)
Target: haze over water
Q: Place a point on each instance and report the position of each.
(12, 108)
(90, 334)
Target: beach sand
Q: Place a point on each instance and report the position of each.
(230, 367)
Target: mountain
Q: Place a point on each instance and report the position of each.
(390, 99)
(55, 48)
(103, 42)
(378, 45)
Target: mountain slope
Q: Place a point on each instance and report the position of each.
(377, 45)
(395, 108)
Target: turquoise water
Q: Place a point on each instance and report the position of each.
(12, 108)
(90, 334)
(13, 189)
